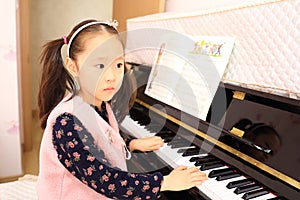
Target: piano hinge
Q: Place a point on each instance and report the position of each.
(239, 95)
(237, 132)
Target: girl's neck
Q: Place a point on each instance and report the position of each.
(91, 100)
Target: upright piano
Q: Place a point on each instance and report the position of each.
(249, 148)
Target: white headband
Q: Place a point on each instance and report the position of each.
(112, 23)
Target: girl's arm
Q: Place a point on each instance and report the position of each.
(78, 154)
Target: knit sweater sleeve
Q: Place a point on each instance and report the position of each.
(78, 154)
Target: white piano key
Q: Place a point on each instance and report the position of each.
(239, 197)
(185, 160)
(217, 186)
(232, 196)
(217, 189)
(170, 155)
(134, 128)
(265, 197)
(226, 194)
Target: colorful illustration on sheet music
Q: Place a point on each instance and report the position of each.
(209, 48)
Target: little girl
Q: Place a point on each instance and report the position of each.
(82, 155)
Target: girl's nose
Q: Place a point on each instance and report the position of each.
(110, 74)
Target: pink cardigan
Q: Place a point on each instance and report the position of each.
(54, 181)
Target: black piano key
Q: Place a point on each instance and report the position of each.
(227, 176)
(152, 129)
(175, 145)
(179, 141)
(254, 194)
(189, 149)
(238, 183)
(163, 133)
(192, 152)
(194, 149)
(208, 162)
(184, 150)
(179, 145)
(196, 158)
(218, 172)
(154, 125)
(167, 138)
(143, 121)
(246, 188)
(202, 158)
(211, 166)
(205, 159)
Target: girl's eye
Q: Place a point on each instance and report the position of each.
(100, 66)
(119, 65)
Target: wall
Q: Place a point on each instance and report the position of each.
(123, 10)
(55, 18)
(52, 19)
(194, 5)
(10, 142)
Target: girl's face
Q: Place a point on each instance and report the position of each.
(101, 68)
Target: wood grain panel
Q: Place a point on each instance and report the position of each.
(125, 9)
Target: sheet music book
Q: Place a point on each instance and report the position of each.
(186, 74)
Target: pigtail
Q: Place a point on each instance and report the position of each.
(55, 80)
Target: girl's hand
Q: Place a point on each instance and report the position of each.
(151, 143)
(182, 178)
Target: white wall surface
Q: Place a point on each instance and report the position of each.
(10, 144)
(54, 18)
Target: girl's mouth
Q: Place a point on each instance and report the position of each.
(109, 89)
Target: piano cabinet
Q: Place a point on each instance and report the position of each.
(249, 147)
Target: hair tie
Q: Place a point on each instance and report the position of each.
(65, 39)
(112, 22)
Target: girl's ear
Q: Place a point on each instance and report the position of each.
(71, 67)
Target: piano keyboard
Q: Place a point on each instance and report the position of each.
(224, 181)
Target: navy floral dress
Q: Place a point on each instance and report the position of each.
(77, 152)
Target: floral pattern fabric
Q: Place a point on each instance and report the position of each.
(77, 152)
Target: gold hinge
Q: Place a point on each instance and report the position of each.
(237, 132)
(239, 95)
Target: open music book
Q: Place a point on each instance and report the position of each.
(187, 72)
